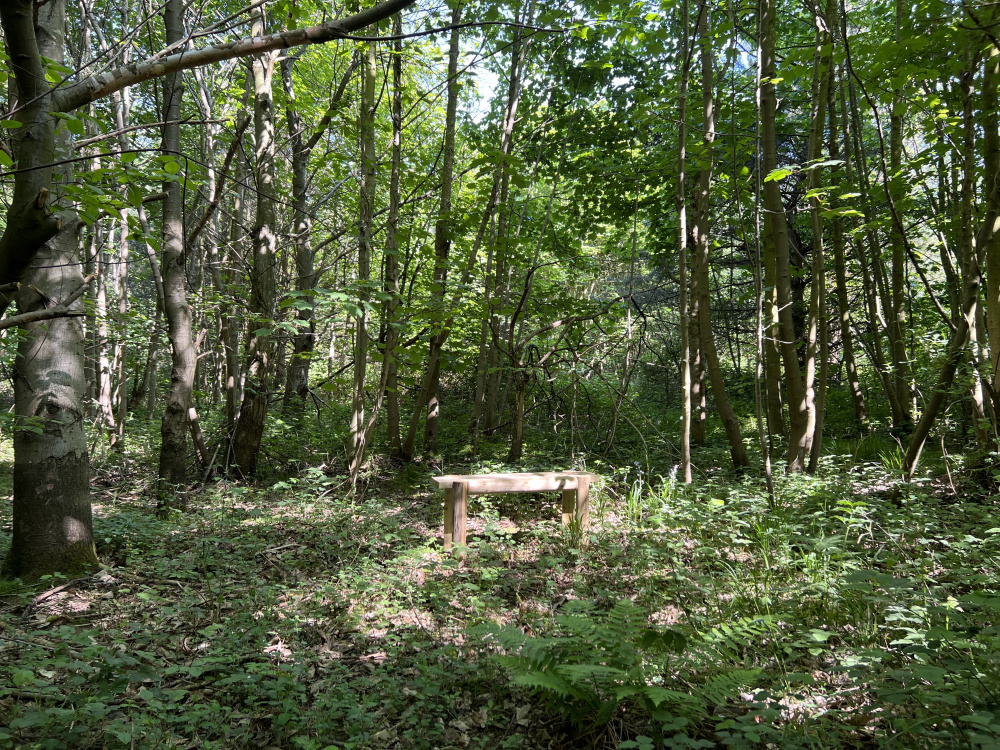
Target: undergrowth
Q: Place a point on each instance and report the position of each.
(299, 615)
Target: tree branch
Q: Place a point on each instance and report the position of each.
(62, 310)
(101, 85)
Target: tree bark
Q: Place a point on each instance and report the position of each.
(991, 163)
(776, 240)
(681, 203)
(174, 424)
(817, 346)
(366, 204)
(391, 284)
(840, 271)
(304, 340)
(259, 383)
(897, 318)
(53, 527)
(442, 247)
(701, 249)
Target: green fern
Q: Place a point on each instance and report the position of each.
(593, 660)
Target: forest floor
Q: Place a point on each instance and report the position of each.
(300, 615)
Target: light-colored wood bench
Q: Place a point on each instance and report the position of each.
(574, 485)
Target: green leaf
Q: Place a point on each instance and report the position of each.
(10, 124)
(777, 175)
(23, 677)
(5, 160)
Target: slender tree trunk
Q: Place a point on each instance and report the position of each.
(231, 330)
(776, 237)
(443, 231)
(366, 203)
(259, 383)
(703, 206)
(697, 359)
(121, 344)
(392, 280)
(817, 346)
(104, 407)
(147, 391)
(442, 247)
(840, 265)
(991, 162)
(681, 202)
(872, 296)
(303, 342)
(498, 196)
(970, 259)
(521, 381)
(897, 321)
(174, 424)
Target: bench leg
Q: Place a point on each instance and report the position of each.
(583, 508)
(568, 507)
(460, 501)
(449, 517)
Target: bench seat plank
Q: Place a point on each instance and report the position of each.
(541, 481)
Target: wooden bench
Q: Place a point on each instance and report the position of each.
(574, 485)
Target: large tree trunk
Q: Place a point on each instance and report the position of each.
(174, 424)
(52, 517)
(259, 383)
(52, 528)
(701, 250)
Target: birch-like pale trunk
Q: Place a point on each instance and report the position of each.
(817, 343)
(681, 203)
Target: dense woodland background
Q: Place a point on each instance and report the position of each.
(267, 268)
